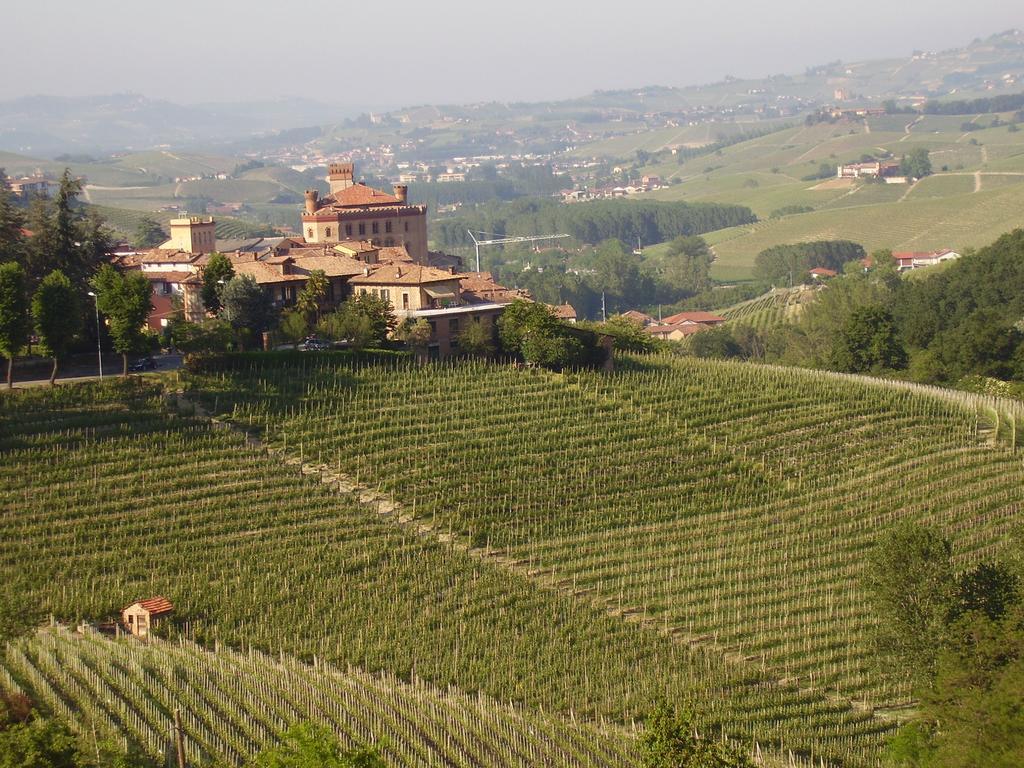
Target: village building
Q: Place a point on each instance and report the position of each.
(822, 273)
(702, 318)
(143, 616)
(876, 169)
(683, 324)
(565, 313)
(27, 187)
(194, 234)
(907, 260)
(639, 317)
(386, 255)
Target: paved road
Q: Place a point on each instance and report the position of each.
(163, 363)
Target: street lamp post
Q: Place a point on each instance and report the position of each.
(99, 342)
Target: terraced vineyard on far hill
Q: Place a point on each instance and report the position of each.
(777, 307)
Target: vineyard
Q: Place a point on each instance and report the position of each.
(777, 307)
(107, 496)
(579, 543)
(719, 503)
(236, 703)
(125, 222)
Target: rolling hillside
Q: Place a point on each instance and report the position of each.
(108, 495)
(975, 195)
(756, 559)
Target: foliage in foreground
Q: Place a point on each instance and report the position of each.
(670, 740)
(960, 637)
(306, 745)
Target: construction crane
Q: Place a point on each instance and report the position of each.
(497, 240)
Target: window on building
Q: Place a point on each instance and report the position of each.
(387, 226)
(407, 226)
(309, 233)
(433, 328)
(453, 325)
(405, 301)
(327, 232)
(362, 229)
(389, 242)
(348, 230)
(376, 228)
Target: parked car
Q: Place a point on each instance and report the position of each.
(143, 364)
(313, 344)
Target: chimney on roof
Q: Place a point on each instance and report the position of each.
(366, 271)
(312, 196)
(340, 176)
(398, 272)
(401, 192)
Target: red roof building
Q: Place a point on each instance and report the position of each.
(143, 615)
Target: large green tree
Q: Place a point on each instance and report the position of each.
(312, 295)
(868, 341)
(244, 305)
(916, 164)
(12, 221)
(364, 320)
(312, 746)
(687, 265)
(15, 315)
(216, 274)
(670, 740)
(126, 302)
(148, 233)
(911, 583)
(57, 317)
(65, 238)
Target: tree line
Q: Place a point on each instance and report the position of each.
(592, 222)
(958, 325)
(51, 258)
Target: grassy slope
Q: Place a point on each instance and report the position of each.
(941, 211)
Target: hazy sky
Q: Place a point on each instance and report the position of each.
(401, 53)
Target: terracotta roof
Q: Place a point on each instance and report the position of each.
(921, 254)
(823, 272)
(330, 265)
(686, 330)
(266, 273)
(158, 256)
(414, 274)
(155, 605)
(693, 317)
(565, 312)
(480, 287)
(394, 254)
(359, 195)
(168, 277)
(638, 316)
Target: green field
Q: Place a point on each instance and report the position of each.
(973, 197)
(919, 223)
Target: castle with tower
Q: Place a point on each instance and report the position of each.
(355, 212)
